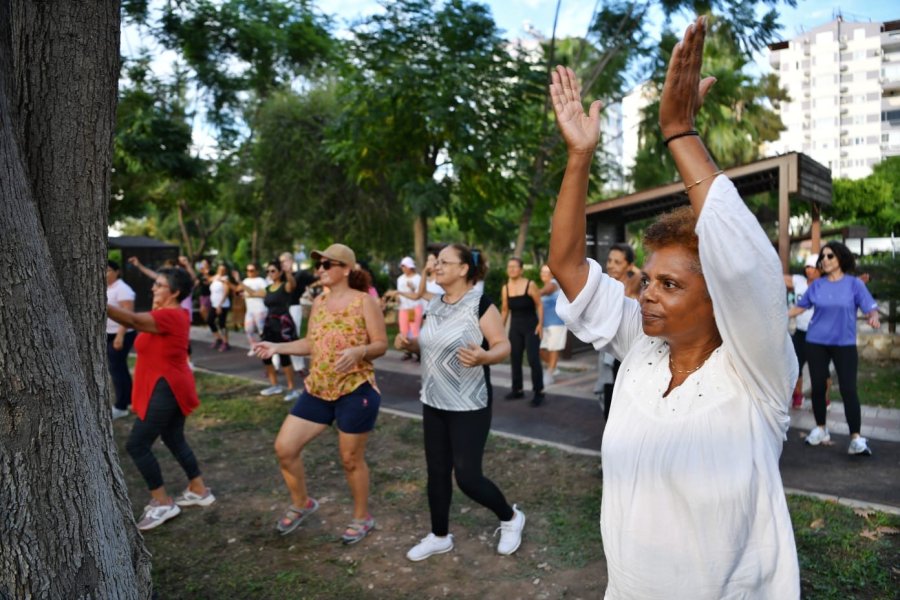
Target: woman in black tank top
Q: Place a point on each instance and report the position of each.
(522, 305)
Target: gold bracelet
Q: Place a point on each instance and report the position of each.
(687, 188)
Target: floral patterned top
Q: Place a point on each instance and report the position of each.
(330, 333)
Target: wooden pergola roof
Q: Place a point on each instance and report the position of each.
(795, 176)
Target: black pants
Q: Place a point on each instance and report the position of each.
(454, 443)
(163, 419)
(523, 338)
(217, 321)
(118, 368)
(846, 361)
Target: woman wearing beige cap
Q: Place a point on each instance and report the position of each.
(346, 333)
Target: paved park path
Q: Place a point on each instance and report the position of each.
(572, 419)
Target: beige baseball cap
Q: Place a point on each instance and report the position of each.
(337, 252)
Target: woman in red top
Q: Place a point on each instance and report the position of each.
(163, 395)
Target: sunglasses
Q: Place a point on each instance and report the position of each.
(327, 264)
(271, 270)
(829, 256)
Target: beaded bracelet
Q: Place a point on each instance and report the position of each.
(687, 188)
(678, 135)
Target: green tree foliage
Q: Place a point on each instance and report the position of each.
(873, 201)
(152, 162)
(424, 98)
(736, 117)
(303, 193)
(242, 50)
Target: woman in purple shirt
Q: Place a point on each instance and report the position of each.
(832, 337)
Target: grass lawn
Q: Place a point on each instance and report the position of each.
(230, 549)
(878, 384)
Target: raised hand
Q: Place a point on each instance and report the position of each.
(133, 260)
(580, 131)
(684, 91)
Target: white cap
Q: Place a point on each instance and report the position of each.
(408, 262)
(812, 260)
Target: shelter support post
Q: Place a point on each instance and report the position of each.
(784, 218)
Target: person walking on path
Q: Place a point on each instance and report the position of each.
(279, 328)
(346, 333)
(831, 337)
(119, 339)
(553, 340)
(255, 314)
(409, 311)
(693, 504)
(220, 304)
(164, 394)
(521, 305)
(798, 284)
(462, 335)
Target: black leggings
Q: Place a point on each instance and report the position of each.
(845, 361)
(163, 419)
(217, 321)
(522, 337)
(454, 443)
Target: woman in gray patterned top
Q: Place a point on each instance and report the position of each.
(462, 334)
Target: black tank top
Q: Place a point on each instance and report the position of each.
(521, 307)
(277, 300)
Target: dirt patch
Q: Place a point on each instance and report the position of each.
(231, 549)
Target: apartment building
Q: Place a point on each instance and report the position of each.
(843, 79)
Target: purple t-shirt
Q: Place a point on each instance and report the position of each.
(834, 322)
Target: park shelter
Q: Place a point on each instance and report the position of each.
(153, 254)
(794, 176)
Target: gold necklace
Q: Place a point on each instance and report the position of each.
(680, 372)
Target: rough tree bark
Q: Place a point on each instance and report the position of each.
(66, 526)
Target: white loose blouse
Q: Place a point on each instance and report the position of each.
(693, 504)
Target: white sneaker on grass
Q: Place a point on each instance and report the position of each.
(429, 546)
(818, 436)
(511, 532)
(292, 396)
(155, 514)
(120, 413)
(189, 498)
(272, 390)
(859, 446)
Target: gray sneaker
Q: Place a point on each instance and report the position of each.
(272, 390)
(155, 514)
(120, 413)
(189, 498)
(292, 396)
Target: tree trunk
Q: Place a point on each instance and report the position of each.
(420, 238)
(66, 529)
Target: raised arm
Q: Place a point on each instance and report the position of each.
(133, 260)
(581, 133)
(682, 97)
(139, 321)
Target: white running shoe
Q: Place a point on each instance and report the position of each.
(119, 413)
(272, 390)
(859, 446)
(189, 498)
(511, 532)
(292, 396)
(817, 436)
(155, 514)
(429, 546)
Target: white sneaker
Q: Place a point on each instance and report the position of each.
(556, 372)
(189, 498)
(548, 379)
(155, 514)
(119, 413)
(817, 436)
(292, 396)
(511, 532)
(859, 446)
(430, 545)
(272, 390)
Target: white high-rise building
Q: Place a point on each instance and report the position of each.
(843, 80)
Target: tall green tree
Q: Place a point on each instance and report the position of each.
(873, 201)
(424, 97)
(737, 115)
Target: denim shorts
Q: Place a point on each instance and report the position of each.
(355, 412)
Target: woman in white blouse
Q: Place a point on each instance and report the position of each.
(693, 505)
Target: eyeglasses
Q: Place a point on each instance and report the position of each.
(829, 256)
(157, 284)
(440, 263)
(271, 270)
(327, 264)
